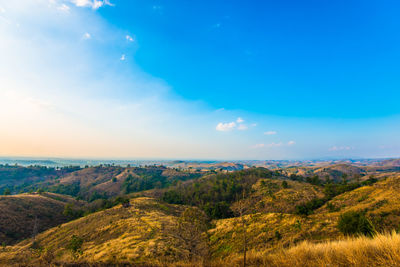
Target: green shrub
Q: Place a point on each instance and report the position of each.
(278, 235)
(75, 244)
(355, 223)
(332, 207)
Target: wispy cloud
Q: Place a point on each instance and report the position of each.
(229, 126)
(94, 4)
(86, 36)
(270, 133)
(158, 8)
(226, 127)
(123, 57)
(268, 145)
(259, 146)
(340, 148)
(129, 38)
(273, 144)
(242, 127)
(63, 8)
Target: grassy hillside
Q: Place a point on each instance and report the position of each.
(143, 232)
(18, 214)
(381, 251)
(277, 195)
(379, 201)
(107, 181)
(267, 212)
(270, 231)
(336, 172)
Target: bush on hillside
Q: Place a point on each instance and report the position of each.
(75, 244)
(355, 223)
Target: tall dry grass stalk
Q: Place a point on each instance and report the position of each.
(382, 250)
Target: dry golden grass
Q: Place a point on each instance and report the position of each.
(380, 201)
(18, 213)
(382, 250)
(141, 234)
(270, 196)
(138, 234)
(268, 232)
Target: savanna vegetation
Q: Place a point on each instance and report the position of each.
(159, 216)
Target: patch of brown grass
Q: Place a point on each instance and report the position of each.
(382, 250)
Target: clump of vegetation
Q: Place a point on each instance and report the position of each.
(215, 193)
(355, 223)
(75, 244)
(382, 250)
(331, 207)
(152, 177)
(331, 190)
(18, 178)
(72, 212)
(278, 235)
(308, 207)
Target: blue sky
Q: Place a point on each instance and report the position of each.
(205, 79)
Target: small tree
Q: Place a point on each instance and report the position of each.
(285, 184)
(191, 231)
(241, 210)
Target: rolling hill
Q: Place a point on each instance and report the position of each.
(21, 214)
(271, 212)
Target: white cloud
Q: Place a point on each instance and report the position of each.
(123, 57)
(129, 38)
(242, 127)
(340, 148)
(239, 120)
(270, 132)
(274, 144)
(86, 36)
(2, 10)
(267, 145)
(229, 126)
(259, 146)
(64, 8)
(225, 127)
(82, 3)
(94, 4)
